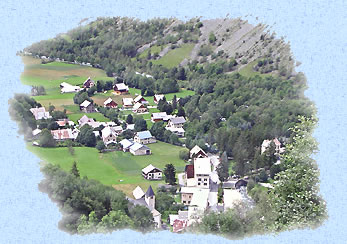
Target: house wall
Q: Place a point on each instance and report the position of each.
(154, 176)
(157, 220)
(110, 139)
(140, 152)
(191, 182)
(145, 141)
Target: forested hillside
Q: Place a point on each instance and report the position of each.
(239, 101)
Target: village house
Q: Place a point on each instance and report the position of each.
(139, 108)
(64, 122)
(88, 83)
(126, 144)
(40, 113)
(63, 134)
(179, 221)
(138, 149)
(152, 173)
(127, 102)
(140, 99)
(202, 171)
(161, 116)
(197, 152)
(121, 88)
(84, 120)
(147, 200)
(198, 204)
(266, 144)
(109, 135)
(68, 88)
(157, 98)
(175, 125)
(36, 133)
(144, 137)
(87, 107)
(109, 103)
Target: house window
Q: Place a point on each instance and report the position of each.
(184, 202)
(199, 184)
(205, 179)
(190, 196)
(199, 179)
(188, 202)
(205, 184)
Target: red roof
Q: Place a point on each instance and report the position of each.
(189, 171)
(179, 225)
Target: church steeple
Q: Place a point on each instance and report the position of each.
(150, 198)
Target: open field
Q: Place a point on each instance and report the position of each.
(176, 56)
(122, 170)
(249, 72)
(153, 49)
(50, 76)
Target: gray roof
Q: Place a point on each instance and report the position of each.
(136, 146)
(178, 120)
(149, 192)
(144, 134)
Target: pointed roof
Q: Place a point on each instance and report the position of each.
(85, 104)
(138, 193)
(149, 192)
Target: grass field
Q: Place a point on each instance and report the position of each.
(50, 76)
(249, 72)
(153, 49)
(175, 57)
(119, 169)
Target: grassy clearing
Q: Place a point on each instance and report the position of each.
(175, 57)
(122, 170)
(248, 71)
(153, 49)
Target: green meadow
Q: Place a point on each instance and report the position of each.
(175, 56)
(119, 169)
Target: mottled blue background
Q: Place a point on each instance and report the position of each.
(317, 34)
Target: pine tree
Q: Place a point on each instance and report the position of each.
(74, 170)
(170, 174)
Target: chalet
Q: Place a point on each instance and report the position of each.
(139, 108)
(68, 88)
(197, 152)
(40, 113)
(176, 122)
(152, 173)
(138, 149)
(266, 144)
(84, 119)
(161, 116)
(157, 98)
(127, 102)
(126, 144)
(178, 131)
(63, 134)
(144, 137)
(88, 83)
(109, 135)
(202, 171)
(140, 99)
(87, 107)
(109, 103)
(179, 225)
(121, 88)
(189, 175)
